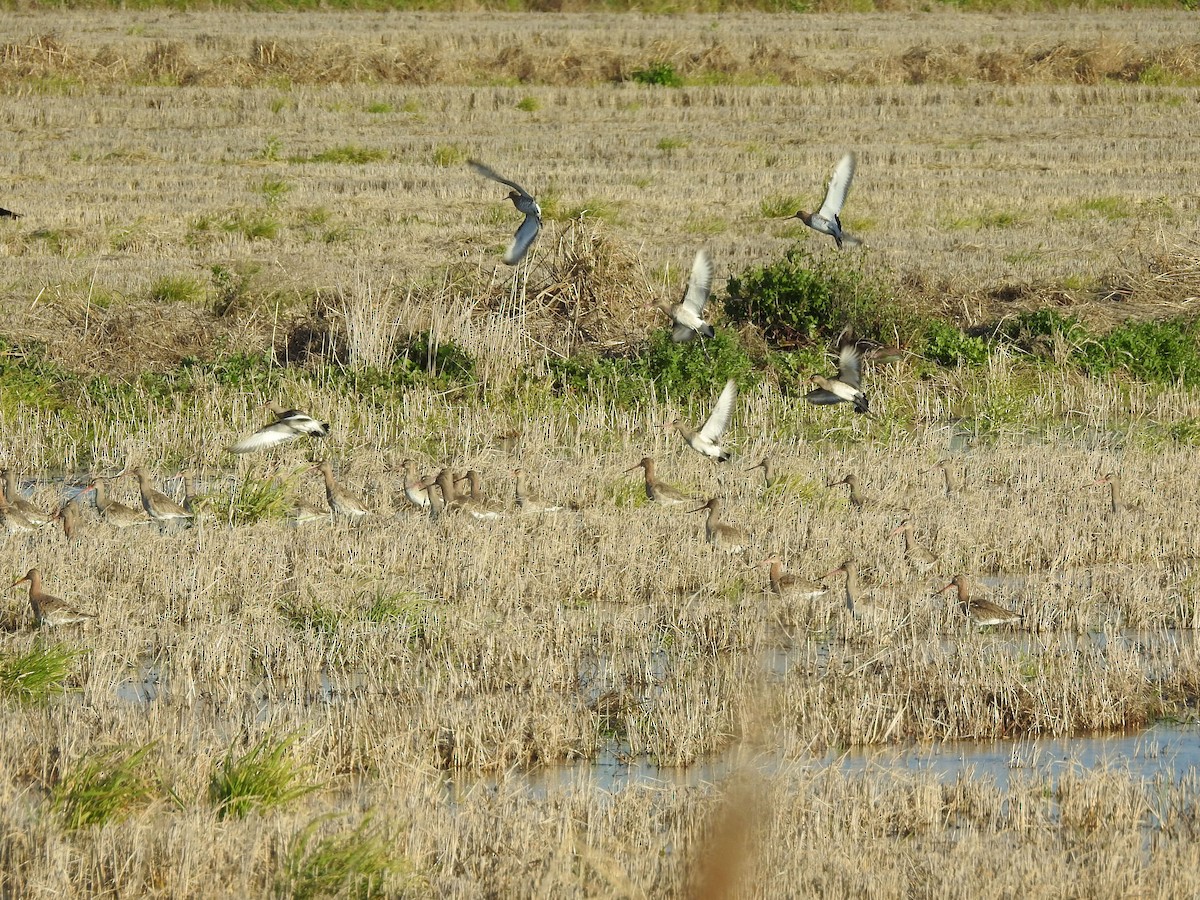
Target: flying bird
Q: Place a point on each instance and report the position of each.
(847, 386)
(688, 315)
(8, 214)
(525, 203)
(289, 424)
(707, 439)
(827, 220)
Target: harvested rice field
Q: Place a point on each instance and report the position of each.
(221, 209)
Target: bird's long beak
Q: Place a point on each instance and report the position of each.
(840, 570)
(18, 581)
(946, 588)
(631, 468)
(699, 509)
(899, 528)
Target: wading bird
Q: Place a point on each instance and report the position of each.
(827, 220)
(720, 534)
(687, 316)
(47, 609)
(289, 424)
(114, 513)
(524, 202)
(707, 439)
(158, 505)
(980, 611)
(847, 386)
(12, 493)
(659, 491)
(785, 584)
(918, 557)
(341, 501)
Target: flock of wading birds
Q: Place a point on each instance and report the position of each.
(439, 495)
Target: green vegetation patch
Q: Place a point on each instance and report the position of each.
(37, 674)
(662, 74)
(361, 863)
(265, 776)
(348, 154)
(104, 787)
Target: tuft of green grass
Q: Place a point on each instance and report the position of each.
(991, 218)
(264, 777)
(104, 787)
(348, 154)
(529, 104)
(1110, 209)
(255, 501)
(781, 206)
(380, 107)
(274, 189)
(38, 673)
(361, 863)
(177, 289)
(447, 155)
(669, 145)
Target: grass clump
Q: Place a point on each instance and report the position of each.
(103, 788)
(802, 298)
(255, 501)
(28, 379)
(38, 673)
(659, 73)
(361, 863)
(348, 154)
(948, 346)
(263, 777)
(177, 289)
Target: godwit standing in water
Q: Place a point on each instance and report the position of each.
(158, 505)
(116, 514)
(856, 602)
(828, 219)
(11, 519)
(68, 514)
(785, 584)
(979, 610)
(847, 386)
(341, 502)
(528, 500)
(1114, 496)
(707, 439)
(524, 202)
(12, 493)
(47, 609)
(659, 491)
(687, 317)
(289, 424)
(720, 534)
(917, 556)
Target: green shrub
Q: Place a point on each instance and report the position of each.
(660, 73)
(803, 298)
(948, 346)
(1161, 352)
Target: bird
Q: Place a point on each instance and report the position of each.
(341, 502)
(13, 520)
(951, 480)
(706, 440)
(768, 473)
(437, 500)
(8, 214)
(688, 315)
(847, 386)
(289, 424)
(857, 498)
(528, 500)
(303, 512)
(415, 491)
(1114, 487)
(68, 514)
(659, 491)
(785, 584)
(827, 220)
(158, 506)
(192, 502)
(47, 609)
(524, 202)
(982, 612)
(720, 534)
(917, 556)
(12, 494)
(476, 503)
(858, 605)
(116, 514)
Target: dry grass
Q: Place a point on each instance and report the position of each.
(420, 668)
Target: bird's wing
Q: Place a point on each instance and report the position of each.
(480, 169)
(699, 284)
(270, 436)
(681, 334)
(839, 184)
(850, 364)
(303, 423)
(820, 396)
(522, 240)
(719, 420)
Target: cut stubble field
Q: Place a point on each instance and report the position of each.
(337, 710)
